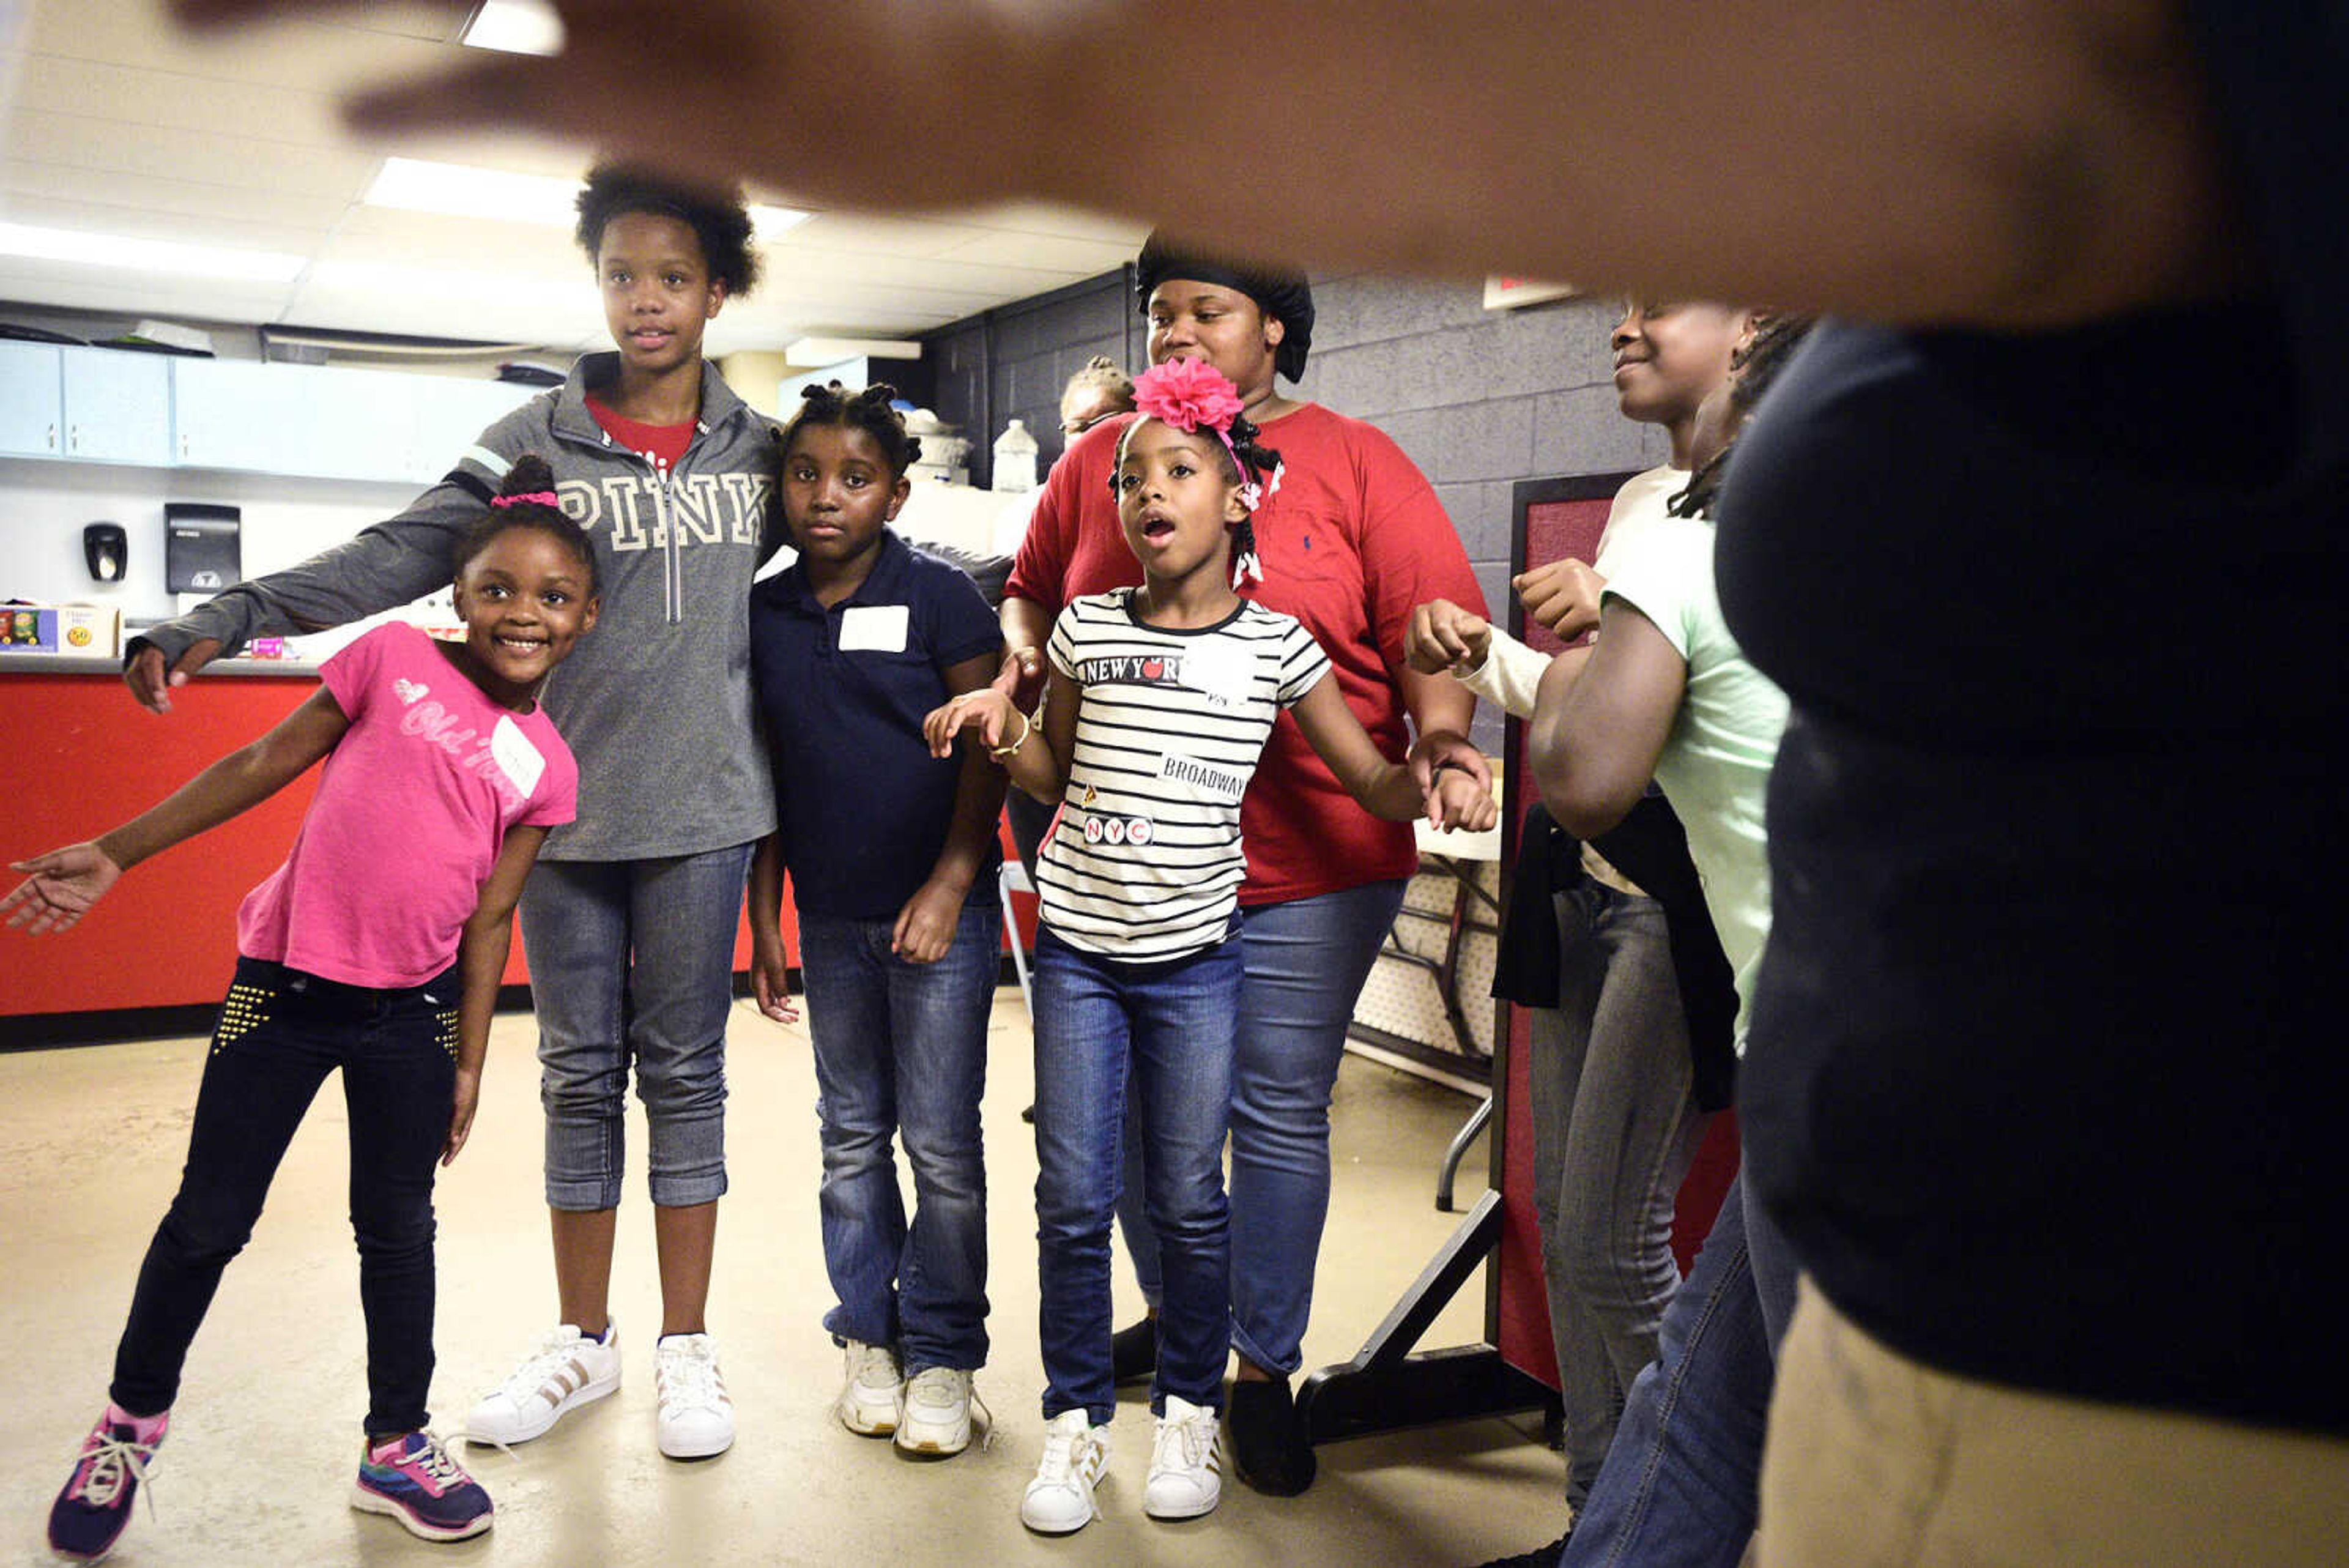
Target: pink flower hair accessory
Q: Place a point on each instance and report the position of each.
(1188, 394)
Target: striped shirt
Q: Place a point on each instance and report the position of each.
(1144, 860)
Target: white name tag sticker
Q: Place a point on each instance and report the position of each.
(516, 757)
(1224, 673)
(874, 629)
(1215, 782)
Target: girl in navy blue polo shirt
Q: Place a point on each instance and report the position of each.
(892, 856)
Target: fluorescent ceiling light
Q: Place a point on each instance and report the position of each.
(460, 190)
(516, 28)
(821, 351)
(469, 288)
(415, 185)
(771, 221)
(128, 254)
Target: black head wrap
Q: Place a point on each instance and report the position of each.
(1282, 294)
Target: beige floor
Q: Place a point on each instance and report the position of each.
(264, 1439)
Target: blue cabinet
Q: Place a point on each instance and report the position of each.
(117, 406)
(32, 400)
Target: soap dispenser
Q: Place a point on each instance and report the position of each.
(107, 548)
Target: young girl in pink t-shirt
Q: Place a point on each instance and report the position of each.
(376, 947)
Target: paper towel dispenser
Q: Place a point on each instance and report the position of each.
(200, 550)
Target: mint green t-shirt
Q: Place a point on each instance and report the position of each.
(1715, 766)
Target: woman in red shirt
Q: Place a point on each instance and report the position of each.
(1349, 539)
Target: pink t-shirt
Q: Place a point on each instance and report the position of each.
(409, 818)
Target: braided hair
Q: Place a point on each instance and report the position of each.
(1105, 373)
(870, 411)
(527, 500)
(719, 220)
(1752, 370)
(1256, 461)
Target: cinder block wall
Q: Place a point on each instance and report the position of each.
(1479, 398)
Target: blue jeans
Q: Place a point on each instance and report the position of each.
(1681, 1483)
(632, 962)
(1166, 1030)
(901, 1050)
(1615, 1126)
(1306, 962)
(281, 1032)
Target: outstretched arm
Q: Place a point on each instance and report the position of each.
(60, 887)
(389, 564)
(482, 966)
(2013, 162)
(1453, 798)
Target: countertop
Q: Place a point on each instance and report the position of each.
(99, 664)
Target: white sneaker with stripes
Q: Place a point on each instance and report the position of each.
(696, 1418)
(567, 1370)
(1186, 1463)
(1060, 1499)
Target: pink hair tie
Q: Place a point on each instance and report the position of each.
(530, 497)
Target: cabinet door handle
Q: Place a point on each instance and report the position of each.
(73, 437)
(52, 439)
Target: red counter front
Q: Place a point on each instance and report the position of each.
(76, 757)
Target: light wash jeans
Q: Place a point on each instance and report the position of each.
(1615, 1126)
(632, 962)
(1682, 1483)
(901, 1051)
(1163, 1031)
(1306, 962)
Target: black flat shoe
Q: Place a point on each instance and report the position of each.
(1133, 1352)
(1268, 1448)
(1539, 1557)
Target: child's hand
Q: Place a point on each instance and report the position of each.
(1459, 802)
(771, 980)
(1444, 637)
(987, 711)
(926, 926)
(1563, 596)
(460, 1115)
(59, 887)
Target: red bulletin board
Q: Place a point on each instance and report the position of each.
(1557, 518)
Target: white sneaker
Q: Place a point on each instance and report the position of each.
(1060, 1498)
(936, 1415)
(567, 1370)
(874, 1396)
(1186, 1463)
(697, 1419)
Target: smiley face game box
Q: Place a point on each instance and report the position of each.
(60, 629)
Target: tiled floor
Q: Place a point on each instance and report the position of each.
(265, 1436)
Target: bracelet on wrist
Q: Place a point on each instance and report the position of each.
(1004, 753)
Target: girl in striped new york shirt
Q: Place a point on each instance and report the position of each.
(1159, 703)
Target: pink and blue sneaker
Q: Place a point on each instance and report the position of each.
(89, 1513)
(414, 1480)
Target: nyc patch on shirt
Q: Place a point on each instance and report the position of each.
(872, 629)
